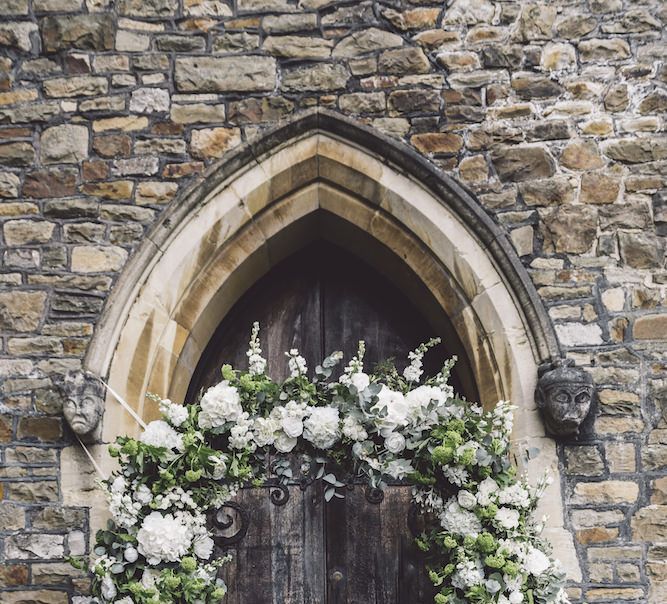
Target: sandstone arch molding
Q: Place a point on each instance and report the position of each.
(266, 199)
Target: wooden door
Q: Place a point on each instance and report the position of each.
(299, 549)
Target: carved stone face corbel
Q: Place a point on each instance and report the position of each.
(564, 394)
(83, 406)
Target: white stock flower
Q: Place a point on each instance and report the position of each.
(175, 414)
(507, 518)
(143, 494)
(241, 437)
(466, 499)
(220, 404)
(284, 443)
(256, 362)
(203, 547)
(536, 562)
(322, 427)
(163, 538)
(297, 364)
(160, 434)
(395, 442)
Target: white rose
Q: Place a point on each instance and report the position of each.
(396, 410)
(284, 443)
(203, 546)
(536, 562)
(395, 442)
(507, 518)
(131, 554)
(292, 426)
(466, 500)
(108, 588)
(516, 597)
(360, 381)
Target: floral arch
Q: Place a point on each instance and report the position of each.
(259, 204)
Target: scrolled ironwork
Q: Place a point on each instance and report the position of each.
(374, 495)
(279, 494)
(223, 520)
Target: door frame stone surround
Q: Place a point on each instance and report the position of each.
(255, 207)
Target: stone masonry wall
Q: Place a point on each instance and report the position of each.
(553, 114)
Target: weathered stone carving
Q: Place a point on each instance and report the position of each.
(83, 405)
(564, 394)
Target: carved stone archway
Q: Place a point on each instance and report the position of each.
(325, 176)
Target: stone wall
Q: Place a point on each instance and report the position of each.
(553, 114)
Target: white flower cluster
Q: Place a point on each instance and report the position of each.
(168, 537)
(256, 362)
(160, 434)
(220, 404)
(175, 414)
(296, 363)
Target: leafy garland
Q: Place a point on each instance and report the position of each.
(480, 542)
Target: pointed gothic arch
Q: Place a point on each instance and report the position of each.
(323, 175)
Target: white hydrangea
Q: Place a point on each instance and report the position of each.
(454, 519)
(353, 429)
(163, 538)
(220, 404)
(176, 414)
(507, 518)
(536, 562)
(160, 434)
(322, 427)
(468, 574)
